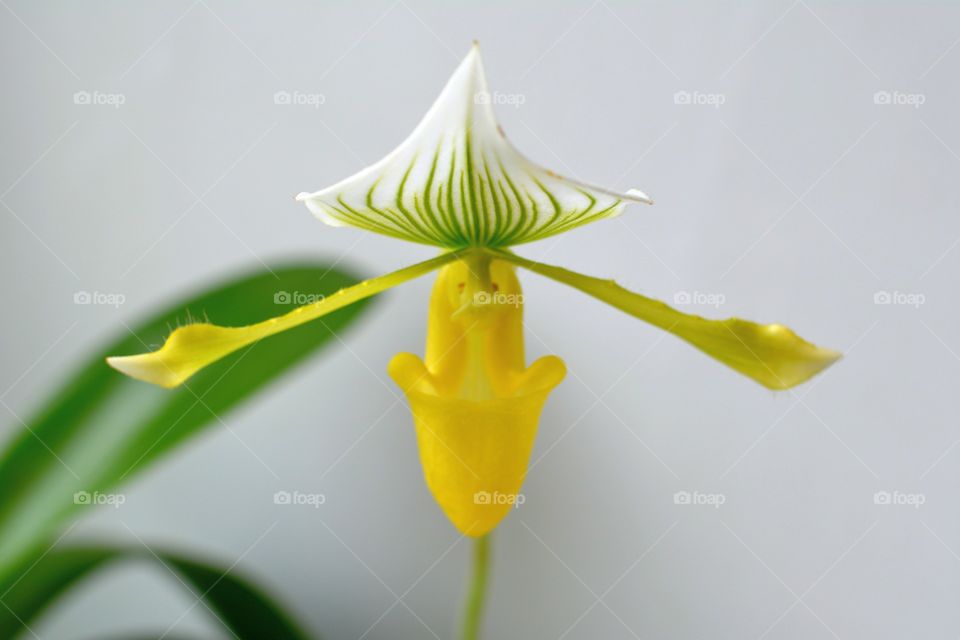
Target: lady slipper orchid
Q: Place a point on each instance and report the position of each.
(457, 183)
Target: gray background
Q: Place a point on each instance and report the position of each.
(797, 200)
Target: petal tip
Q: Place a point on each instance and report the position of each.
(138, 368)
(638, 196)
(830, 358)
(800, 371)
(408, 371)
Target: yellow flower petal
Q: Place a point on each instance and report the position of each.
(193, 347)
(770, 354)
(475, 404)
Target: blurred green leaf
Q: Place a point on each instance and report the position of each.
(149, 636)
(101, 428)
(236, 603)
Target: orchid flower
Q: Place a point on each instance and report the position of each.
(457, 183)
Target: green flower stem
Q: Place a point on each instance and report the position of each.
(476, 596)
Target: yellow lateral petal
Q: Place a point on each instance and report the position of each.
(770, 354)
(190, 348)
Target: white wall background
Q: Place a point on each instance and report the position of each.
(797, 199)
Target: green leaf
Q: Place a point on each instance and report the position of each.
(235, 602)
(101, 427)
(159, 635)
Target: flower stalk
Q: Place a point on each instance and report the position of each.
(477, 593)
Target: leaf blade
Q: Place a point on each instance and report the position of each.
(245, 609)
(100, 427)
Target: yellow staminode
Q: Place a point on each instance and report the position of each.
(475, 403)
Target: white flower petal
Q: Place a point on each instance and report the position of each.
(456, 181)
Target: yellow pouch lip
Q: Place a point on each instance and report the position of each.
(475, 453)
(475, 447)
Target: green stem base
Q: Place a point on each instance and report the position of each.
(476, 596)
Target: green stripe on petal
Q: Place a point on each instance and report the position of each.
(457, 181)
(770, 354)
(193, 347)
